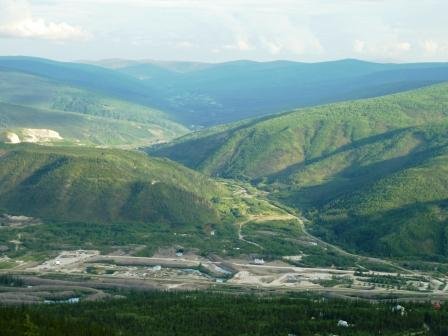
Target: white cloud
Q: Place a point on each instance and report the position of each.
(241, 44)
(185, 44)
(270, 33)
(13, 10)
(39, 28)
(273, 47)
(17, 21)
(298, 42)
(435, 49)
(382, 48)
(359, 46)
(431, 46)
(220, 30)
(403, 46)
(284, 33)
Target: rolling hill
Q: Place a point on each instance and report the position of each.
(103, 186)
(89, 77)
(369, 173)
(263, 147)
(80, 116)
(114, 199)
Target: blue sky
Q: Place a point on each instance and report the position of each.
(215, 31)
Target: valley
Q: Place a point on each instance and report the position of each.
(223, 168)
(246, 220)
(368, 174)
(103, 195)
(208, 94)
(259, 261)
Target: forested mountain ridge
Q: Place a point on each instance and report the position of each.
(385, 197)
(263, 147)
(103, 186)
(371, 174)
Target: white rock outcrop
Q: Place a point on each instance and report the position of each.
(12, 138)
(40, 135)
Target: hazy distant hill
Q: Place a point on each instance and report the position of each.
(204, 94)
(210, 94)
(79, 115)
(92, 78)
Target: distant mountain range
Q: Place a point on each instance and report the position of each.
(203, 94)
(209, 94)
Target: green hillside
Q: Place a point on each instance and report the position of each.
(105, 199)
(371, 174)
(386, 196)
(80, 116)
(263, 147)
(365, 160)
(77, 128)
(104, 186)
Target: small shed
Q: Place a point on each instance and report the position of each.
(342, 323)
(259, 261)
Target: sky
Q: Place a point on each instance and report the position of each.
(217, 31)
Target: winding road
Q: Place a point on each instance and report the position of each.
(286, 215)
